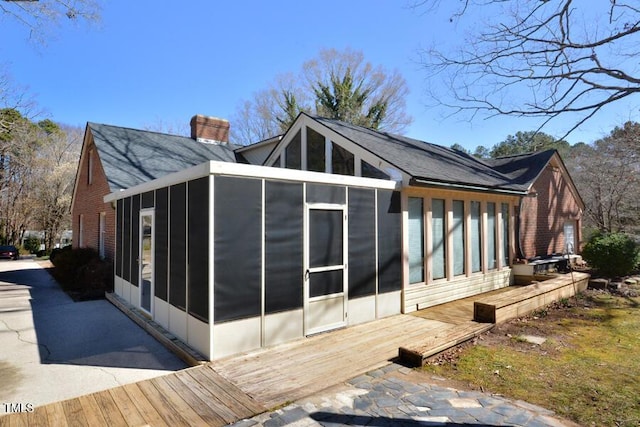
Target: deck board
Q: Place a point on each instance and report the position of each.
(110, 410)
(146, 410)
(55, 415)
(91, 410)
(128, 409)
(162, 404)
(237, 387)
(74, 413)
(200, 408)
(299, 369)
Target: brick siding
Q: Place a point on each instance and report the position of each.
(542, 218)
(89, 203)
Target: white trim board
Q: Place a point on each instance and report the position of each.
(251, 171)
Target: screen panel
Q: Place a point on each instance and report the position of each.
(284, 211)
(162, 243)
(362, 243)
(126, 240)
(389, 241)
(318, 193)
(326, 283)
(119, 236)
(237, 248)
(178, 246)
(326, 237)
(198, 248)
(148, 200)
(135, 239)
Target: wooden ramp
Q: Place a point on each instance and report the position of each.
(193, 397)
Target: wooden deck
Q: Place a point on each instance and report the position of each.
(237, 387)
(292, 371)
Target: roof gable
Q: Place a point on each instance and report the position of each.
(423, 160)
(130, 157)
(522, 168)
(427, 164)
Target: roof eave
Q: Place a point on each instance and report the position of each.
(426, 182)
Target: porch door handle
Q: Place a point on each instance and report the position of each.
(306, 275)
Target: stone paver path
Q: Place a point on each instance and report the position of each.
(395, 396)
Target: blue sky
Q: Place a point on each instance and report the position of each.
(150, 62)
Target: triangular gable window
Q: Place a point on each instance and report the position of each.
(312, 151)
(293, 153)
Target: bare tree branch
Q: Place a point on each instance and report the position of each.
(540, 58)
(39, 17)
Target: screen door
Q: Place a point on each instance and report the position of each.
(325, 273)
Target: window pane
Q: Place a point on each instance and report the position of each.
(569, 237)
(276, 163)
(476, 237)
(369, 171)
(293, 152)
(416, 240)
(315, 151)
(491, 235)
(457, 230)
(438, 233)
(342, 160)
(505, 234)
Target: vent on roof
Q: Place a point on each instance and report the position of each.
(210, 130)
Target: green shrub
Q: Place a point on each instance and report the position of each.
(614, 254)
(32, 244)
(81, 269)
(54, 253)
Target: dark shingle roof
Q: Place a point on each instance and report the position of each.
(131, 157)
(523, 169)
(429, 162)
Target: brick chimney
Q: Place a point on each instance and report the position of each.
(210, 130)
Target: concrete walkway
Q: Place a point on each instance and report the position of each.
(54, 349)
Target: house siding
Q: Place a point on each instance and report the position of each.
(89, 203)
(542, 217)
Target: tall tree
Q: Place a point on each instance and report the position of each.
(54, 171)
(528, 142)
(335, 84)
(37, 170)
(543, 59)
(607, 175)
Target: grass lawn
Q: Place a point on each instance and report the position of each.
(587, 370)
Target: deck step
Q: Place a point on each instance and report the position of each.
(523, 300)
(416, 354)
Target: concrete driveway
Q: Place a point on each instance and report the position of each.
(52, 348)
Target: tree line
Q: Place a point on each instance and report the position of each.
(37, 169)
(604, 171)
